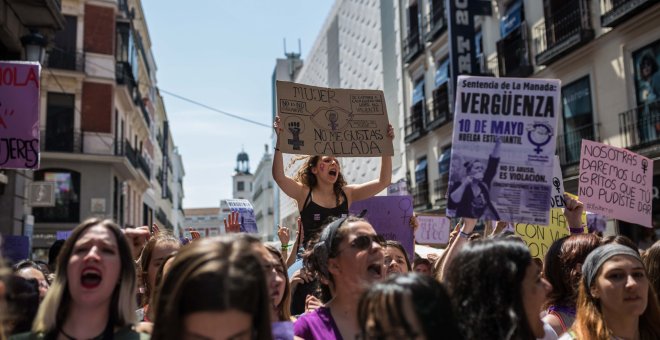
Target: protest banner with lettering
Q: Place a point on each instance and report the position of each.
(19, 115)
(540, 237)
(338, 122)
(616, 182)
(390, 217)
(503, 149)
(245, 211)
(433, 229)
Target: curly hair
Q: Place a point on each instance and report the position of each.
(307, 177)
(485, 284)
(651, 259)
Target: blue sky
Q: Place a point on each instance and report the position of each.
(222, 54)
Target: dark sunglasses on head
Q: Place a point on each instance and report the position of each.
(364, 242)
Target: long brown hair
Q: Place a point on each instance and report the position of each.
(561, 267)
(145, 261)
(651, 259)
(307, 177)
(284, 308)
(590, 323)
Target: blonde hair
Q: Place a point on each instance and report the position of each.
(53, 310)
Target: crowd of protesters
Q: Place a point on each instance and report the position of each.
(348, 282)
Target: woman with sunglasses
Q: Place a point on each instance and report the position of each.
(348, 258)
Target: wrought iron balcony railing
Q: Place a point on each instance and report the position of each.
(566, 29)
(640, 127)
(568, 144)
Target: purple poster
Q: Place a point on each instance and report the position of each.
(19, 115)
(390, 217)
(16, 248)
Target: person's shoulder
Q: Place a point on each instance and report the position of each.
(568, 336)
(128, 333)
(26, 336)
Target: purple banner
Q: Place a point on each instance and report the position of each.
(390, 217)
(16, 248)
(19, 115)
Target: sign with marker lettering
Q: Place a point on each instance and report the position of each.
(245, 211)
(338, 122)
(19, 115)
(539, 237)
(503, 149)
(433, 229)
(616, 183)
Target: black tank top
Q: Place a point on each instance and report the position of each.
(313, 216)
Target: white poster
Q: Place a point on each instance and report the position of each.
(503, 149)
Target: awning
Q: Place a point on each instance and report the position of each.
(418, 92)
(420, 171)
(512, 19)
(442, 73)
(443, 161)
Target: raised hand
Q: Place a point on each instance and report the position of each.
(573, 212)
(233, 224)
(283, 235)
(137, 238)
(277, 125)
(390, 131)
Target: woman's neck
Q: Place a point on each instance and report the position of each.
(623, 326)
(86, 322)
(325, 188)
(345, 304)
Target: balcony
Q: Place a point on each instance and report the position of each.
(440, 187)
(615, 12)
(640, 128)
(421, 196)
(412, 45)
(67, 141)
(144, 166)
(439, 113)
(565, 30)
(568, 144)
(39, 13)
(130, 154)
(513, 53)
(145, 113)
(414, 125)
(125, 77)
(63, 60)
(435, 23)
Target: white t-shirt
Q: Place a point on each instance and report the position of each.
(549, 332)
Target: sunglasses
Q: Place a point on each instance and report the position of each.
(364, 242)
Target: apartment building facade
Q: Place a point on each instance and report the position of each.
(262, 197)
(105, 141)
(606, 53)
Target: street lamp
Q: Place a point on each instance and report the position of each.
(35, 46)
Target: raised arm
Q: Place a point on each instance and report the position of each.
(290, 187)
(459, 242)
(358, 192)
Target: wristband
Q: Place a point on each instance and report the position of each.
(285, 247)
(463, 234)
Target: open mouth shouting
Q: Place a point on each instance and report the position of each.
(90, 278)
(376, 269)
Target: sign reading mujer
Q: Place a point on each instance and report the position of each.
(338, 122)
(503, 149)
(19, 115)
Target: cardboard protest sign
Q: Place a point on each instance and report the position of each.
(433, 229)
(390, 217)
(540, 237)
(19, 115)
(616, 183)
(245, 211)
(339, 122)
(503, 149)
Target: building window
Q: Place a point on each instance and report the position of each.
(578, 117)
(240, 186)
(63, 55)
(440, 111)
(444, 161)
(67, 196)
(647, 91)
(59, 122)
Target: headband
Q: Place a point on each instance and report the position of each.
(600, 255)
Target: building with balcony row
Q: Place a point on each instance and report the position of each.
(605, 52)
(105, 139)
